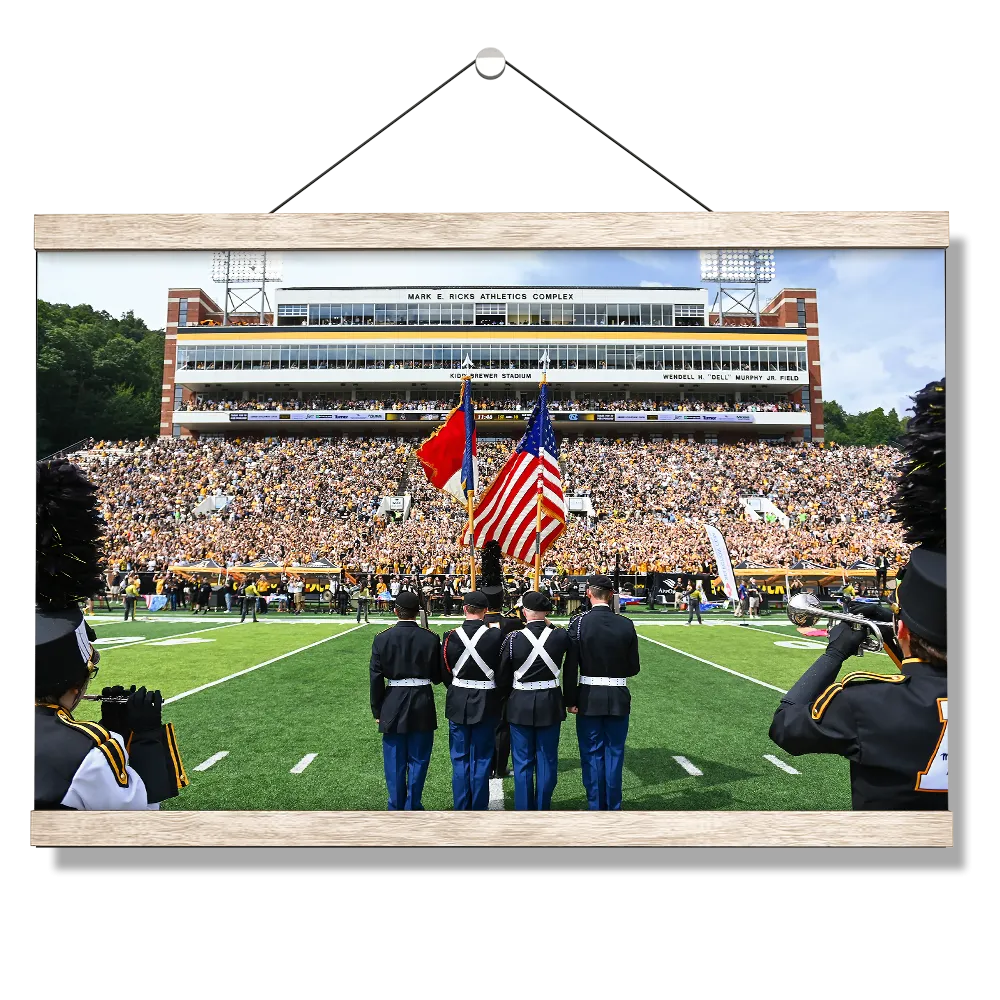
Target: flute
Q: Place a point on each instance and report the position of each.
(113, 699)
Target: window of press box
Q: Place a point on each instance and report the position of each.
(509, 314)
(617, 356)
(182, 312)
(800, 306)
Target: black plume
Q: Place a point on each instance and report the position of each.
(68, 529)
(920, 501)
(492, 565)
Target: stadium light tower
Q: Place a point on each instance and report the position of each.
(739, 274)
(242, 270)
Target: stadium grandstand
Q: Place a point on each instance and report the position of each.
(365, 357)
(663, 426)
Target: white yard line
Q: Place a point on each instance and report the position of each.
(214, 759)
(718, 666)
(496, 795)
(240, 673)
(688, 766)
(158, 638)
(303, 764)
(810, 638)
(777, 762)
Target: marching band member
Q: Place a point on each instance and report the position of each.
(531, 663)
(604, 651)
(471, 659)
(130, 760)
(893, 728)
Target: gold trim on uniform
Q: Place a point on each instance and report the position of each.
(109, 747)
(822, 703)
(175, 756)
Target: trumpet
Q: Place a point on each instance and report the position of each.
(805, 610)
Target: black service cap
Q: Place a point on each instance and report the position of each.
(63, 648)
(494, 596)
(601, 582)
(475, 599)
(535, 601)
(407, 600)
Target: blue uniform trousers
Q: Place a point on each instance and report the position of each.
(602, 754)
(406, 756)
(534, 751)
(471, 754)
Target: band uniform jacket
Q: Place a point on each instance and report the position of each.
(892, 728)
(404, 650)
(604, 644)
(544, 707)
(81, 765)
(468, 706)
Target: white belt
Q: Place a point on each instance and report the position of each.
(461, 682)
(598, 681)
(407, 682)
(535, 685)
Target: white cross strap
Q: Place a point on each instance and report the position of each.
(407, 682)
(538, 652)
(461, 682)
(598, 680)
(470, 652)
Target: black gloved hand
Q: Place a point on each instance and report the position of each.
(845, 641)
(113, 714)
(882, 617)
(143, 710)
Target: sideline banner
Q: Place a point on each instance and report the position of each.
(722, 560)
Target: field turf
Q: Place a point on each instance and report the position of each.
(285, 701)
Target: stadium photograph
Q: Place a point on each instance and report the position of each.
(570, 530)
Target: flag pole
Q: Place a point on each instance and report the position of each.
(538, 540)
(472, 538)
(538, 509)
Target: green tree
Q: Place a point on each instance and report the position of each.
(95, 375)
(869, 428)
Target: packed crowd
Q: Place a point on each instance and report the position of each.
(717, 404)
(294, 500)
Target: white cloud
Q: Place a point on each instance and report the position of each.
(854, 267)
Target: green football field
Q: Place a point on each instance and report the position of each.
(275, 715)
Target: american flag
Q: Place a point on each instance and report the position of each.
(507, 512)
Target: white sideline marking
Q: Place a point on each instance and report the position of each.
(718, 666)
(240, 673)
(303, 764)
(777, 762)
(178, 641)
(496, 794)
(214, 759)
(688, 766)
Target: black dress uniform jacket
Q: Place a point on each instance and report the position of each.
(889, 727)
(468, 706)
(601, 643)
(405, 650)
(544, 707)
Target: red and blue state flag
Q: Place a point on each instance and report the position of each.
(448, 456)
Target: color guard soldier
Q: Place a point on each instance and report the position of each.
(405, 662)
(471, 660)
(531, 663)
(603, 653)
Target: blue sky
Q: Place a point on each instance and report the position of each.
(881, 312)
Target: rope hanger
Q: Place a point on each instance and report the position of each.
(488, 63)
